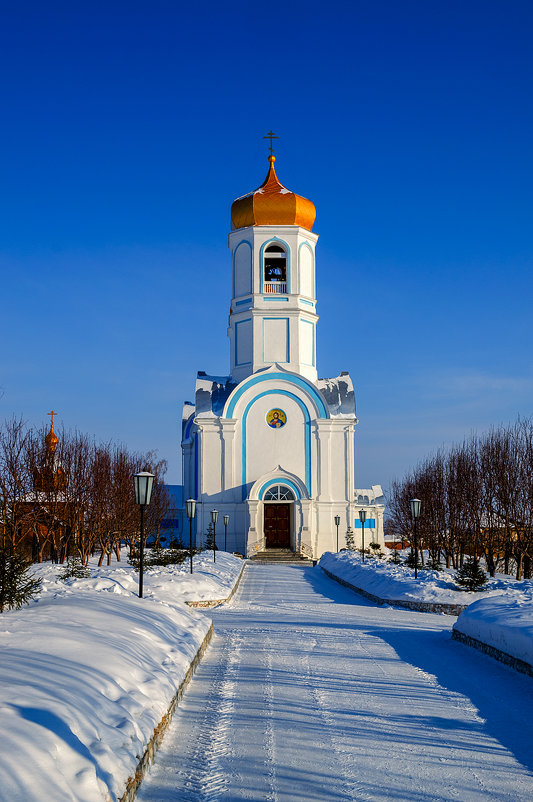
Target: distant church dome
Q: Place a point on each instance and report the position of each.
(51, 439)
(272, 204)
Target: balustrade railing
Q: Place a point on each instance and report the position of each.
(275, 287)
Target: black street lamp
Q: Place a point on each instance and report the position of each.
(226, 522)
(214, 519)
(143, 483)
(337, 520)
(415, 512)
(362, 518)
(190, 505)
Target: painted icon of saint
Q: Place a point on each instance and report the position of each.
(276, 418)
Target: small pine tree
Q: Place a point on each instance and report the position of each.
(471, 576)
(375, 550)
(434, 564)
(413, 559)
(350, 539)
(17, 585)
(396, 559)
(209, 538)
(74, 569)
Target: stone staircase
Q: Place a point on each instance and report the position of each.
(278, 556)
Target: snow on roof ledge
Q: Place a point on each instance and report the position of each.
(373, 495)
(339, 395)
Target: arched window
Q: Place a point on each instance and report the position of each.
(275, 269)
(278, 493)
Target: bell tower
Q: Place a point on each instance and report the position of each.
(273, 308)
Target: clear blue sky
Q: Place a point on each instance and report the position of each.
(129, 128)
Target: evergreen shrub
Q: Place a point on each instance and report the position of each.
(471, 576)
(17, 585)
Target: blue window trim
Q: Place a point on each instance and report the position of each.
(299, 381)
(313, 283)
(307, 437)
(262, 266)
(310, 323)
(369, 524)
(244, 242)
(275, 298)
(283, 482)
(305, 301)
(238, 323)
(288, 351)
(245, 301)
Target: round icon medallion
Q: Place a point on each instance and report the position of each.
(276, 418)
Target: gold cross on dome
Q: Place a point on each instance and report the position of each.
(271, 135)
(52, 413)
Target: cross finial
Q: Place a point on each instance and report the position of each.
(52, 413)
(271, 135)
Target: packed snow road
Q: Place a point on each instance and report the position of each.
(309, 692)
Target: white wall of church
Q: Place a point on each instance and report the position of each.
(306, 271)
(265, 447)
(243, 269)
(276, 339)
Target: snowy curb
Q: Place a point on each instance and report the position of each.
(134, 782)
(216, 602)
(492, 651)
(420, 606)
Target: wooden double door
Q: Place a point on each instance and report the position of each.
(277, 518)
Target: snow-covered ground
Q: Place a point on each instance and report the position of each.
(311, 692)
(503, 623)
(398, 583)
(89, 669)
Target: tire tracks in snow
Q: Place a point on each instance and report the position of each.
(211, 755)
(348, 787)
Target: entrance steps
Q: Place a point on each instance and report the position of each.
(279, 556)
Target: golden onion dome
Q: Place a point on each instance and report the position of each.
(51, 439)
(272, 204)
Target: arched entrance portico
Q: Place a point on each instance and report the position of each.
(269, 523)
(278, 517)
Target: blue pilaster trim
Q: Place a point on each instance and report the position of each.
(288, 340)
(299, 381)
(236, 355)
(261, 265)
(196, 465)
(188, 427)
(306, 245)
(280, 481)
(244, 242)
(313, 360)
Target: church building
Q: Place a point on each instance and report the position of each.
(271, 444)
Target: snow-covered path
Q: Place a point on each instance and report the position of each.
(309, 692)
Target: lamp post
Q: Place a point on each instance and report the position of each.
(362, 518)
(337, 520)
(226, 522)
(214, 519)
(143, 483)
(190, 505)
(415, 512)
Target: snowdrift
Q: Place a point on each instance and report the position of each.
(89, 670)
(505, 624)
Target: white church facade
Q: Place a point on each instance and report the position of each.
(271, 444)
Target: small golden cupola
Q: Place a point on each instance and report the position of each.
(272, 204)
(51, 440)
